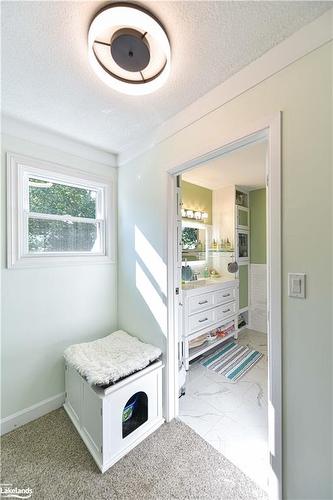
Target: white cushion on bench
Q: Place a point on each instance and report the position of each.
(106, 360)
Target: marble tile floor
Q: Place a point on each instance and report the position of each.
(232, 417)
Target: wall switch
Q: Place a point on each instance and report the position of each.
(296, 285)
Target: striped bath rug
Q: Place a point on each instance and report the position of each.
(232, 360)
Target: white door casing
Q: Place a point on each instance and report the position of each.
(266, 129)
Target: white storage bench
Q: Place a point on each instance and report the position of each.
(98, 412)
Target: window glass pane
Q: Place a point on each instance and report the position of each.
(59, 199)
(59, 236)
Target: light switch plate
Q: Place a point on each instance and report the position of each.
(296, 285)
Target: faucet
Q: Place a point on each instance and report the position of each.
(195, 276)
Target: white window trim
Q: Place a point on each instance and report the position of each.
(18, 166)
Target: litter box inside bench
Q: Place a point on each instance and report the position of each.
(113, 420)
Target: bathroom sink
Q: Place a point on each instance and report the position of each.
(189, 285)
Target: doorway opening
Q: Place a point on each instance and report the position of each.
(224, 306)
(225, 276)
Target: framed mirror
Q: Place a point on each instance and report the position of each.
(195, 242)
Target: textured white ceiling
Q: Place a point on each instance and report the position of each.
(46, 78)
(244, 167)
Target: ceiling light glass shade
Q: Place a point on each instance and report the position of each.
(197, 215)
(204, 215)
(183, 212)
(103, 28)
(189, 214)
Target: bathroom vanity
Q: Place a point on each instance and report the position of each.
(208, 305)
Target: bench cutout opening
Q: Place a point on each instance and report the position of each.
(135, 412)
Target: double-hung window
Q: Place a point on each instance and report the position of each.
(56, 214)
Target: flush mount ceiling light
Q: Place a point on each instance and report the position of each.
(128, 49)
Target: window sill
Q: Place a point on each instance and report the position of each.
(51, 261)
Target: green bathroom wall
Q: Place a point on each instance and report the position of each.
(243, 285)
(197, 198)
(258, 226)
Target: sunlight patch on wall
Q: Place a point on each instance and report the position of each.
(151, 260)
(153, 300)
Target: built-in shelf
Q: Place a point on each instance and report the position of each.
(194, 352)
(245, 315)
(242, 328)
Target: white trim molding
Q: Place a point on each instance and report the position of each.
(35, 411)
(270, 128)
(41, 136)
(19, 168)
(307, 39)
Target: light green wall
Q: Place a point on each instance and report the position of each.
(44, 310)
(197, 198)
(303, 92)
(243, 285)
(258, 226)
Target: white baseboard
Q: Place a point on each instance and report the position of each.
(27, 415)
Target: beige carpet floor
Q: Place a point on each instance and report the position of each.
(48, 456)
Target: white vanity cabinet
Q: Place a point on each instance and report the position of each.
(214, 304)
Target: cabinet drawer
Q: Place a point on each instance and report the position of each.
(201, 320)
(200, 302)
(224, 311)
(223, 296)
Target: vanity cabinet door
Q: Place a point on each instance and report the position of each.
(242, 217)
(243, 245)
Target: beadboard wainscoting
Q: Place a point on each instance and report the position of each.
(258, 297)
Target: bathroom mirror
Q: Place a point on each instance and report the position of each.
(195, 242)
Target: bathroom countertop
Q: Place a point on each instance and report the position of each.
(208, 283)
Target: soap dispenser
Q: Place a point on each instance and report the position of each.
(206, 272)
(187, 272)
